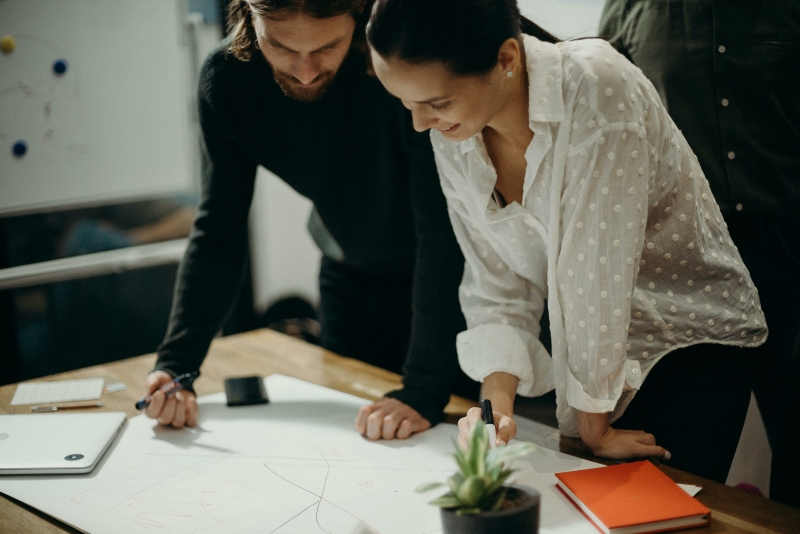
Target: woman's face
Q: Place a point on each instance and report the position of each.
(457, 106)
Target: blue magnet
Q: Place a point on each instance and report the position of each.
(19, 148)
(60, 66)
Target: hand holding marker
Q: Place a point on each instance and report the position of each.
(168, 389)
(488, 417)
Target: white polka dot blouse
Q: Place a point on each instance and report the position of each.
(617, 230)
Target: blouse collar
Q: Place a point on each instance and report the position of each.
(545, 94)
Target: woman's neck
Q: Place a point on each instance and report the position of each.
(511, 125)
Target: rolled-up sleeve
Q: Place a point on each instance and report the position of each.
(502, 309)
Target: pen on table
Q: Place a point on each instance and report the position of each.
(57, 407)
(488, 417)
(168, 389)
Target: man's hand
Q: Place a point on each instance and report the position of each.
(614, 444)
(389, 418)
(178, 409)
(506, 427)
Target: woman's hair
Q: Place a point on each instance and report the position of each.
(240, 18)
(463, 34)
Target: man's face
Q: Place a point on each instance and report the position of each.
(304, 52)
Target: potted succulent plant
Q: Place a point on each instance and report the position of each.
(478, 501)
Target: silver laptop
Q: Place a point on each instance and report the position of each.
(58, 443)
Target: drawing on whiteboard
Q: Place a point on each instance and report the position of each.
(267, 486)
(41, 114)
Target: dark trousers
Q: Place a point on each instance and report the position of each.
(694, 401)
(364, 316)
(770, 248)
(701, 427)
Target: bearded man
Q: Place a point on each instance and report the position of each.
(290, 91)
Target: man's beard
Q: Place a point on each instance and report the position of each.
(292, 89)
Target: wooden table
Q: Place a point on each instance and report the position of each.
(265, 352)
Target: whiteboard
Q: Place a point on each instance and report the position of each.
(97, 92)
(293, 465)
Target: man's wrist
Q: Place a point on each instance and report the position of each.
(429, 408)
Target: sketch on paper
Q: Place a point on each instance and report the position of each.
(294, 465)
(281, 486)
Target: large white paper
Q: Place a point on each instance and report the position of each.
(294, 465)
(58, 391)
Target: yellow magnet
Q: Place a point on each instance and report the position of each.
(8, 44)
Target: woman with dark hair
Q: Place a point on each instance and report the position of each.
(567, 181)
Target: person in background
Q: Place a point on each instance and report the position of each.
(567, 180)
(728, 73)
(290, 91)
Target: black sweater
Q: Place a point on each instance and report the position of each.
(373, 181)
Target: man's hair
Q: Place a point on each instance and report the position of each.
(240, 19)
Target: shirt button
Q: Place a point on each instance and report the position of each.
(721, 49)
(739, 207)
(731, 155)
(725, 102)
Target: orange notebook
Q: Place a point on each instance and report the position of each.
(632, 498)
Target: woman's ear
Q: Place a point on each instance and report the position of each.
(509, 56)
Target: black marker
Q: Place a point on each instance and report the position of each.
(488, 417)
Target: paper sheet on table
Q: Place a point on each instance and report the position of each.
(58, 391)
(295, 464)
(690, 489)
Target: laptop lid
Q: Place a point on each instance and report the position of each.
(58, 443)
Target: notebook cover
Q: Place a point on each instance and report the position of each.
(631, 494)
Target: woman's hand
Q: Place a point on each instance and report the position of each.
(505, 425)
(607, 442)
(500, 388)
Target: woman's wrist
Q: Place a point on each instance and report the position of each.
(501, 388)
(592, 428)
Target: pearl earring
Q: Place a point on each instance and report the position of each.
(509, 74)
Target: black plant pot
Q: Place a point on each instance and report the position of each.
(522, 519)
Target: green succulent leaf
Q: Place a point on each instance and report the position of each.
(461, 460)
(422, 488)
(478, 446)
(499, 500)
(455, 481)
(471, 491)
(497, 483)
(500, 455)
(448, 500)
(495, 471)
(470, 510)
